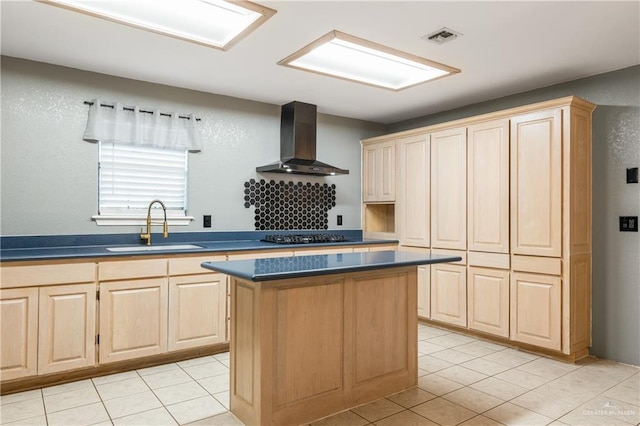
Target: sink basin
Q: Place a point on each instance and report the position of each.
(154, 248)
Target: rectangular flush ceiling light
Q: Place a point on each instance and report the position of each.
(214, 23)
(352, 58)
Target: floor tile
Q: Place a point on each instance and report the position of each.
(223, 398)
(484, 366)
(21, 410)
(580, 417)
(115, 377)
(479, 349)
(405, 418)
(167, 378)
(411, 398)
(67, 400)
(195, 361)
(207, 369)
(522, 378)
(601, 368)
(511, 414)
(547, 368)
(472, 399)
(437, 385)
(568, 392)
(443, 412)
(79, 416)
(158, 369)
(431, 332)
(157, 417)
(453, 356)
(461, 375)
(33, 421)
(215, 384)
(508, 358)
(132, 404)
(499, 388)
(181, 392)
(195, 409)
(613, 408)
(377, 410)
(224, 419)
(624, 393)
(68, 387)
(121, 388)
(450, 340)
(346, 418)
(432, 364)
(480, 421)
(544, 404)
(426, 347)
(21, 396)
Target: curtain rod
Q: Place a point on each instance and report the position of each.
(141, 110)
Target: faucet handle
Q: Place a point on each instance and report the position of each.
(165, 229)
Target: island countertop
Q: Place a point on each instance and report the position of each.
(280, 268)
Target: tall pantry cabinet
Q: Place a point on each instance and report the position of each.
(510, 193)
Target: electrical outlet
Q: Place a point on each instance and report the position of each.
(206, 221)
(339, 220)
(628, 223)
(632, 175)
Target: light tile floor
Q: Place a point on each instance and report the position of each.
(462, 380)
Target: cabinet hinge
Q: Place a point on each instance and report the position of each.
(97, 339)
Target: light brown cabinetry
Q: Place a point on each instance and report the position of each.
(488, 186)
(379, 172)
(449, 189)
(19, 326)
(488, 300)
(449, 294)
(415, 191)
(133, 309)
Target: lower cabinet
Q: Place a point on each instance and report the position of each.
(19, 327)
(133, 318)
(536, 309)
(197, 311)
(488, 300)
(66, 339)
(449, 293)
(424, 291)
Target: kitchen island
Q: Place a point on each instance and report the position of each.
(315, 335)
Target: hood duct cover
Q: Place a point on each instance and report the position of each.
(298, 144)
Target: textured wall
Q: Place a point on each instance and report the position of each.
(616, 146)
(49, 174)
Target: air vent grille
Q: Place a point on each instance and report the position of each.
(443, 35)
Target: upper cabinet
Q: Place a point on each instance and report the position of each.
(379, 172)
(414, 191)
(449, 189)
(536, 183)
(488, 186)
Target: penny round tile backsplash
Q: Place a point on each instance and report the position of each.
(289, 205)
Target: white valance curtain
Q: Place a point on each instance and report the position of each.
(136, 127)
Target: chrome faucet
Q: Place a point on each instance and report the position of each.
(165, 226)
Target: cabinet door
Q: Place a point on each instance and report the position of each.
(536, 183)
(379, 183)
(197, 311)
(424, 291)
(133, 319)
(488, 300)
(414, 196)
(488, 186)
(67, 321)
(449, 189)
(536, 309)
(19, 338)
(449, 294)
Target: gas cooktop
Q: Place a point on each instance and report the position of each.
(304, 238)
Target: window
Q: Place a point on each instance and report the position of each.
(130, 177)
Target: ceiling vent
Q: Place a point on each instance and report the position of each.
(442, 35)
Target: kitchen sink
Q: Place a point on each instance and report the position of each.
(154, 248)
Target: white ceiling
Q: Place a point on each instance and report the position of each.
(506, 48)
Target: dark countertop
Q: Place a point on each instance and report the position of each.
(80, 247)
(282, 268)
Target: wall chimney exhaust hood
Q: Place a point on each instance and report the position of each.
(298, 144)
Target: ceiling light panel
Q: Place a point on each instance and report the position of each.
(214, 23)
(351, 58)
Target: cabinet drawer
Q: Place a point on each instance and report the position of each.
(461, 253)
(488, 260)
(38, 275)
(132, 269)
(536, 264)
(191, 265)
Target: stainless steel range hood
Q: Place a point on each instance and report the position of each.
(298, 144)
